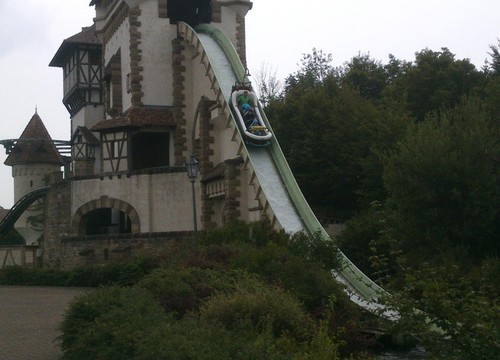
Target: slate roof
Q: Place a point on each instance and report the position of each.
(137, 117)
(87, 134)
(86, 37)
(34, 146)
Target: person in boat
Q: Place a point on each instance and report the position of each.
(250, 119)
(243, 99)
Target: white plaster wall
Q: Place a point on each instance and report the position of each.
(121, 41)
(228, 23)
(224, 147)
(29, 177)
(156, 56)
(88, 116)
(162, 201)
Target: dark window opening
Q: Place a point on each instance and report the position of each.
(94, 57)
(107, 221)
(193, 12)
(150, 150)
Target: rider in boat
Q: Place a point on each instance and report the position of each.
(243, 99)
(248, 115)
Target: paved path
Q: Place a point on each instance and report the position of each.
(29, 321)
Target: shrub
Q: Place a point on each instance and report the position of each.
(309, 282)
(85, 276)
(201, 340)
(18, 275)
(259, 306)
(180, 290)
(109, 323)
(258, 234)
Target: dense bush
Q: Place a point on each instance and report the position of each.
(110, 323)
(89, 276)
(259, 306)
(309, 282)
(180, 290)
(241, 300)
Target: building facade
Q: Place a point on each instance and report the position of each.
(141, 103)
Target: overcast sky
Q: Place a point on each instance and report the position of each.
(278, 33)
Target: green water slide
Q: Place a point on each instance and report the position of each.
(283, 197)
(20, 206)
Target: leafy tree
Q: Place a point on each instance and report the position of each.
(315, 68)
(332, 136)
(452, 312)
(494, 63)
(443, 182)
(437, 80)
(366, 75)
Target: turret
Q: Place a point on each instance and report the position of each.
(33, 158)
(80, 57)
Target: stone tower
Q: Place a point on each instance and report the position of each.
(33, 158)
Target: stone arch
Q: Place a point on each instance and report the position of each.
(78, 223)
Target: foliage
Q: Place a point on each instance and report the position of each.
(438, 81)
(251, 299)
(444, 185)
(455, 315)
(367, 76)
(309, 282)
(109, 324)
(239, 232)
(88, 276)
(180, 290)
(262, 307)
(124, 323)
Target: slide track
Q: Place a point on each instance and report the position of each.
(19, 207)
(276, 186)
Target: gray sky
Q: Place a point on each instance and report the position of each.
(278, 33)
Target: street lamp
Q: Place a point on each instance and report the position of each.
(192, 172)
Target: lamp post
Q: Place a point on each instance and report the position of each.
(192, 172)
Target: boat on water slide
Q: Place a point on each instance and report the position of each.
(253, 129)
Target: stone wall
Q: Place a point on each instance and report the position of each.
(57, 221)
(98, 250)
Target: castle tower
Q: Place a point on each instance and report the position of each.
(139, 114)
(33, 158)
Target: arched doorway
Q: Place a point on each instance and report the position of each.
(106, 216)
(106, 221)
(192, 12)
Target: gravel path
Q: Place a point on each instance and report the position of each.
(29, 321)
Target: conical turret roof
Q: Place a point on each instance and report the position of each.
(34, 146)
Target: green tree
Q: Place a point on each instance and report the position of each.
(367, 76)
(437, 80)
(443, 182)
(332, 135)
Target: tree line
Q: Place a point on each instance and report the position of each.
(418, 138)
(406, 154)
